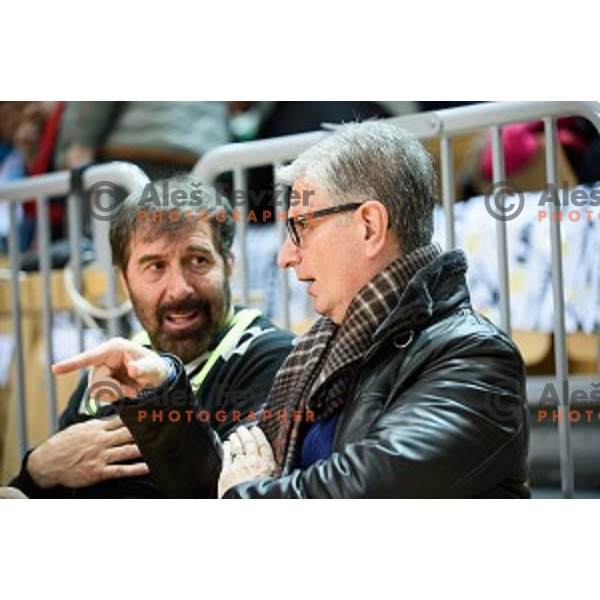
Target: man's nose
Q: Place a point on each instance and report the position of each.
(288, 254)
(179, 287)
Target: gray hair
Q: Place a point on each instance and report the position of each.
(374, 160)
(180, 195)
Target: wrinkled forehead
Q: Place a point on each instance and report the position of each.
(155, 237)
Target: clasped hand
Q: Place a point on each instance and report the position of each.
(247, 455)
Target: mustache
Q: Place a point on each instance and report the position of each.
(192, 304)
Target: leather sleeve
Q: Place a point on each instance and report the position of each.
(183, 453)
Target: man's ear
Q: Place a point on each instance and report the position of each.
(229, 265)
(375, 227)
(123, 281)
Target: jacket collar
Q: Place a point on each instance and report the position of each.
(432, 292)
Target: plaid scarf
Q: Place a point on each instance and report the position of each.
(319, 372)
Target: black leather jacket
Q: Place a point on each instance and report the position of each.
(437, 410)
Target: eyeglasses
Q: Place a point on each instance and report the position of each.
(295, 225)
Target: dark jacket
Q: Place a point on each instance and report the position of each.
(437, 410)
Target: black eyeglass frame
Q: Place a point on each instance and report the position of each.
(291, 222)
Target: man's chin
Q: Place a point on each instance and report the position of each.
(187, 347)
(186, 350)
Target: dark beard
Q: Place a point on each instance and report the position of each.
(191, 343)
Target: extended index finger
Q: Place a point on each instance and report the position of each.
(89, 358)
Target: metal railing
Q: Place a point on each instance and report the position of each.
(42, 188)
